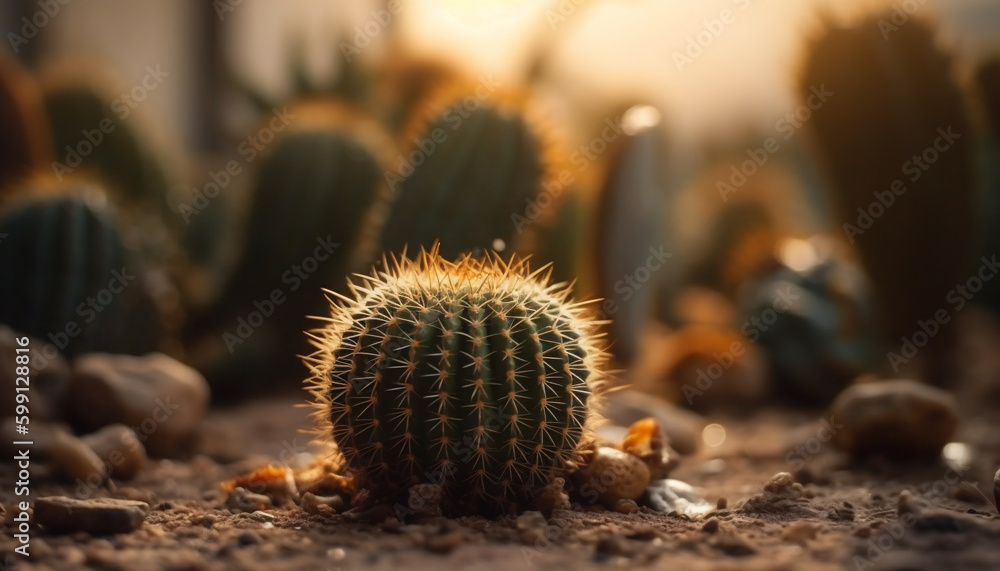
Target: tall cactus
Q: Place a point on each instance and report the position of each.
(313, 187)
(68, 277)
(895, 114)
(24, 131)
(476, 374)
(473, 164)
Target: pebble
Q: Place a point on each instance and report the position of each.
(162, 399)
(552, 497)
(445, 542)
(647, 441)
(614, 475)
(996, 489)
(669, 496)
(682, 427)
(722, 504)
(240, 499)
(248, 538)
(321, 505)
(59, 514)
(75, 461)
(779, 483)
(897, 419)
(118, 446)
(48, 378)
(711, 525)
(624, 506)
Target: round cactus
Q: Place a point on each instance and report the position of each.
(69, 278)
(475, 375)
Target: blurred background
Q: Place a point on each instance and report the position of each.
(722, 175)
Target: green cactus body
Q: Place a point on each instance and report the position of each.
(67, 270)
(474, 375)
(886, 100)
(473, 165)
(24, 144)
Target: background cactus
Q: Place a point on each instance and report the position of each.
(472, 165)
(476, 374)
(313, 188)
(67, 270)
(893, 97)
(24, 144)
(987, 94)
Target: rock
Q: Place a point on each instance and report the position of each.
(445, 542)
(647, 441)
(711, 525)
(322, 505)
(242, 500)
(682, 427)
(75, 461)
(551, 497)
(779, 483)
(669, 496)
(59, 514)
(624, 506)
(119, 448)
(722, 504)
(613, 475)
(897, 419)
(48, 377)
(248, 537)
(162, 399)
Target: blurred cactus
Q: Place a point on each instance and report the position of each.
(987, 79)
(817, 324)
(632, 262)
(893, 101)
(314, 187)
(987, 87)
(473, 165)
(476, 374)
(24, 130)
(91, 133)
(68, 277)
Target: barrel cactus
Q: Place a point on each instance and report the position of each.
(69, 279)
(896, 139)
(24, 132)
(474, 164)
(475, 375)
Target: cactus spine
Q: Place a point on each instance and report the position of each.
(475, 372)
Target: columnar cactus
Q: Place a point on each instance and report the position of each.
(475, 375)
(474, 164)
(69, 278)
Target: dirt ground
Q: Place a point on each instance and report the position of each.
(845, 517)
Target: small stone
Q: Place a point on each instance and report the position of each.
(722, 504)
(425, 499)
(161, 398)
(275, 482)
(969, 493)
(711, 525)
(59, 514)
(780, 483)
(75, 461)
(668, 496)
(336, 554)
(241, 499)
(248, 538)
(614, 475)
(800, 532)
(552, 497)
(897, 419)
(48, 378)
(646, 440)
(445, 542)
(119, 448)
(996, 489)
(321, 505)
(682, 427)
(625, 506)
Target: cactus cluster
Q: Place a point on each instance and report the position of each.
(476, 375)
(77, 284)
